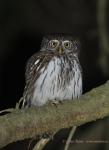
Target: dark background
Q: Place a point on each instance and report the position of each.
(22, 26)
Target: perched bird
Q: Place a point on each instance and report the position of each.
(54, 73)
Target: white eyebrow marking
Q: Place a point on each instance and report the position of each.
(66, 41)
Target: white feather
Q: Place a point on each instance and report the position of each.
(36, 62)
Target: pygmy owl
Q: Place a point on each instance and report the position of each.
(53, 73)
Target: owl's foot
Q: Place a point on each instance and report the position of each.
(55, 102)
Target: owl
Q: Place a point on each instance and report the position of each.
(54, 73)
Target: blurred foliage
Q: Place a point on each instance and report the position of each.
(103, 35)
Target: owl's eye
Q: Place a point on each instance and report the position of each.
(53, 43)
(67, 44)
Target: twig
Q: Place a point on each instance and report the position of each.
(40, 145)
(7, 110)
(70, 137)
(19, 103)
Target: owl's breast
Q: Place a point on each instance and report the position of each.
(61, 80)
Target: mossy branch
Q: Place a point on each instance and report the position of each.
(27, 123)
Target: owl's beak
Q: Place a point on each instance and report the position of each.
(60, 50)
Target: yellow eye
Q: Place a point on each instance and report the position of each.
(67, 44)
(53, 43)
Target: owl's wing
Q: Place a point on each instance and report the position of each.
(32, 64)
(36, 63)
(33, 67)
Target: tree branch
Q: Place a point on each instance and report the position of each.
(27, 123)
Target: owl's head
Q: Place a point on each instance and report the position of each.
(60, 43)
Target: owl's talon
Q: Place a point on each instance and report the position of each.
(61, 102)
(55, 102)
